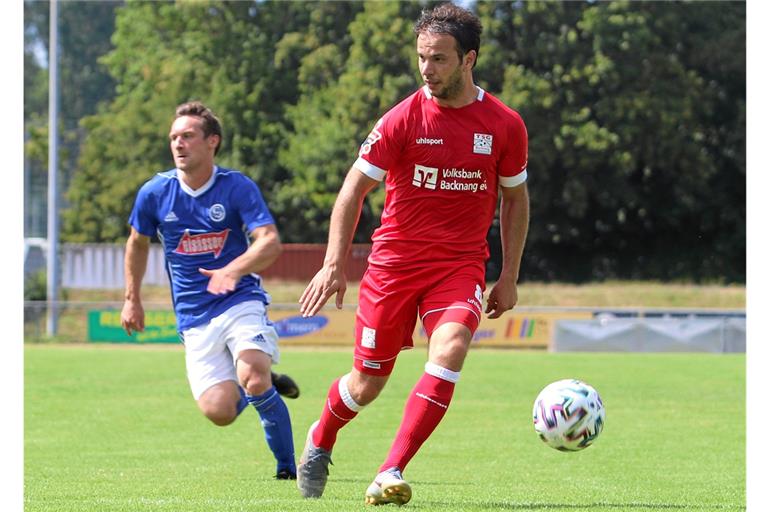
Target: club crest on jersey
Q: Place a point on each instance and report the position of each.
(217, 212)
(483, 144)
(203, 243)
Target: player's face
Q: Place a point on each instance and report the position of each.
(440, 66)
(190, 148)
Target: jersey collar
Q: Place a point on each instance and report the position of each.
(480, 93)
(202, 190)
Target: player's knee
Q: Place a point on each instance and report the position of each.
(257, 383)
(366, 395)
(450, 353)
(219, 415)
(366, 390)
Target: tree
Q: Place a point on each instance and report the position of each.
(85, 29)
(622, 139)
(635, 113)
(165, 54)
(332, 118)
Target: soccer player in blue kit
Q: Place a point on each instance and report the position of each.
(204, 216)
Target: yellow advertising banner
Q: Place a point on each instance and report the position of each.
(521, 329)
(518, 329)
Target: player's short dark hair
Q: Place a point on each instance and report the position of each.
(455, 21)
(211, 123)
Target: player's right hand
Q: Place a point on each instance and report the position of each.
(132, 317)
(327, 281)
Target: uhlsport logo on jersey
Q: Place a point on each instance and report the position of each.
(477, 301)
(203, 243)
(429, 141)
(217, 212)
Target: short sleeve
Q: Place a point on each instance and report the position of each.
(250, 204)
(383, 146)
(513, 166)
(143, 217)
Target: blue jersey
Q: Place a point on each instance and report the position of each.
(203, 228)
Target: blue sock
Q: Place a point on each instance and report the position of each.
(277, 427)
(243, 403)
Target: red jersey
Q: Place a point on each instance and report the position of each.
(442, 168)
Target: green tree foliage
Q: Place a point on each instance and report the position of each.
(168, 53)
(632, 140)
(332, 120)
(635, 113)
(85, 28)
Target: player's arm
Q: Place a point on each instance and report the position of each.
(330, 279)
(136, 254)
(514, 229)
(263, 251)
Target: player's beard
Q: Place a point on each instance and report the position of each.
(453, 86)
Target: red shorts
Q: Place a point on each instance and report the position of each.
(389, 303)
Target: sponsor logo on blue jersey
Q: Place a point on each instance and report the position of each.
(202, 243)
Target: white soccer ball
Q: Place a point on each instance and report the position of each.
(568, 415)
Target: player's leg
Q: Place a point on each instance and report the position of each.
(211, 375)
(253, 371)
(221, 403)
(432, 394)
(450, 314)
(252, 341)
(383, 326)
(424, 409)
(346, 397)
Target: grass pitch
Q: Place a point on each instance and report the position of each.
(116, 429)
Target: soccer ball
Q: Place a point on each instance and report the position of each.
(568, 415)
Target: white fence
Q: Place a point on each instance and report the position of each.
(94, 266)
(694, 333)
(100, 266)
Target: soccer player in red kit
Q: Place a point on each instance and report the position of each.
(444, 153)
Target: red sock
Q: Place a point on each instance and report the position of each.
(424, 409)
(335, 415)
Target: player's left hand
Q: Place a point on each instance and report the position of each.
(220, 281)
(503, 297)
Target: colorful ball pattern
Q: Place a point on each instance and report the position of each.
(568, 415)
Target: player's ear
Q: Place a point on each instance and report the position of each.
(469, 59)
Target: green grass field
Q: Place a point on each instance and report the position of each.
(115, 429)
